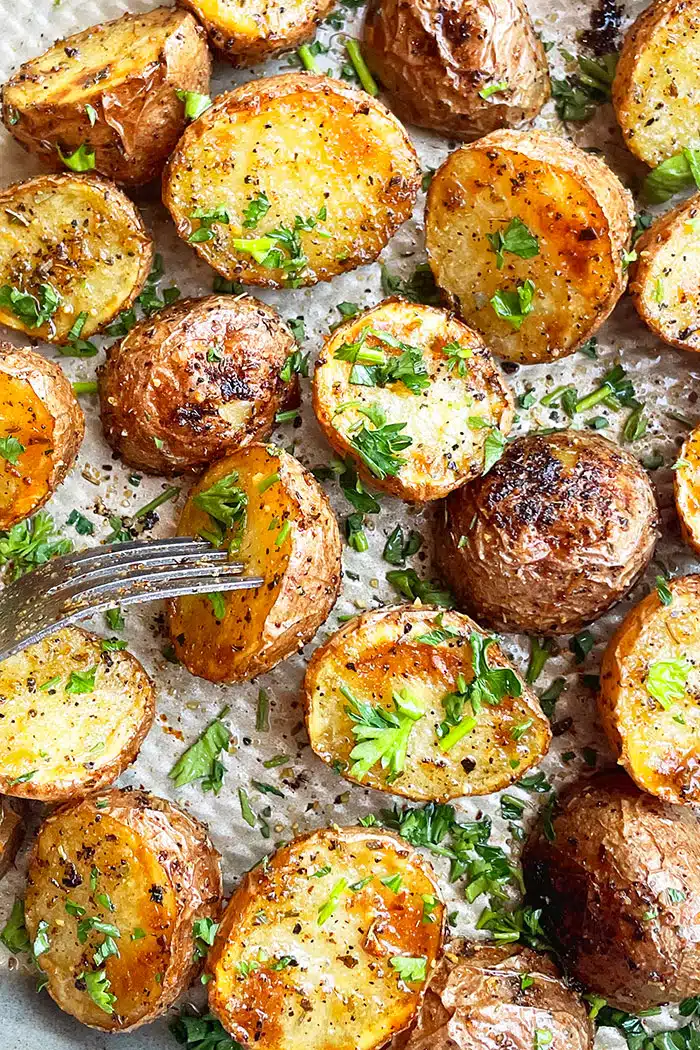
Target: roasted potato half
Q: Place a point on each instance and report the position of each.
(655, 91)
(196, 382)
(74, 711)
(110, 94)
(526, 234)
(41, 430)
(327, 943)
(118, 885)
(481, 68)
(686, 484)
(11, 833)
(558, 531)
(324, 175)
(478, 992)
(418, 369)
(618, 877)
(72, 247)
(411, 671)
(275, 518)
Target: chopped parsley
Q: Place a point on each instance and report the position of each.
(540, 652)
(32, 310)
(195, 104)
(457, 356)
(577, 97)
(667, 680)
(398, 548)
(493, 89)
(281, 248)
(201, 761)
(382, 735)
(494, 447)
(379, 448)
(327, 909)
(489, 685)
(295, 364)
(663, 590)
(14, 933)
(419, 288)
(207, 219)
(97, 985)
(225, 503)
(11, 449)
(672, 176)
(82, 681)
(514, 306)
(410, 969)
(203, 932)
(31, 543)
(411, 586)
(516, 238)
(372, 367)
(75, 345)
(257, 209)
(82, 159)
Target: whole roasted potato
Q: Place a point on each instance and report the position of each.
(11, 833)
(194, 383)
(617, 875)
(464, 70)
(107, 98)
(686, 486)
(41, 430)
(478, 996)
(557, 532)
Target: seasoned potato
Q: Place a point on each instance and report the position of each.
(413, 669)
(245, 35)
(195, 382)
(686, 483)
(324, 175)
(330, 943)
(526, 234)
(111, 92)
(74, 712)
(275, 517)
(41, 429)
(419, 369)
(117, 888)
(478, 993)
(11, 833)
(72, 248)
(557, 532)
(483, 67)
(618, 878)
(655, 91)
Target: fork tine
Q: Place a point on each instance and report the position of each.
(125, 570)
(89, 592)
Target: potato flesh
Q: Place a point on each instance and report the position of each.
(24, 416)
(687, 489)
(258, 22)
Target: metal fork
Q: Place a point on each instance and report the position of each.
(71, 588)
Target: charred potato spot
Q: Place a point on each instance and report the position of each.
(320, 151)
(557, 532)
(382, 653)
(580, 215)
(686, 483)
(299, 960)
(11, 833)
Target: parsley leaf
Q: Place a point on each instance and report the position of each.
(409, 584)
(33, 310)
(672, 175)
(577, 97)
(202, 1033)
(82, 159)
(257, 209)
(663, 590)
(82, 681)
(14, 933)
(281, 248)
(204, 932)
(97, 984)
(327, 909)
(667, 680)
(295, 364)
(382, 735)
(397, 549)
(371, 367)
(516, 239)
(410, 969)
(201, 760)
(11, 449)
(514, 307)
(225, 503)
(419, 288)
(195, 104)
(379, 448)
(494, 447)
(207, 218)
(31, 543)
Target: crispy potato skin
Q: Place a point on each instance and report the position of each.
(11, 833)
(128, 71)
(157, 865)
(570, 200)
(445, 451)
(79, 234)
(475, 997)
(246, 36)
(301, 572)
(686, 487)
(557, 532)
(342, 959)
(168, 406)
(434, 62)
(379, 652)
(615, 853)
(100, 732)
(308, 142)
(39, 409)
(660, 754)
(655, 91)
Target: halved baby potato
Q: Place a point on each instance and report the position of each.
(11, 833)
(649, 692)
(526, 233)
(323, 176)
(330, 943)
(41, 430)
(686, 486)
(423, 373)
(119, 886)
(194, 383)
(73, 248)
(111, 93)
(275, 517)
(390, 703)
(74, 711)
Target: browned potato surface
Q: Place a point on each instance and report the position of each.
(483, 67)
(110, 93)
(195, 382)
(117, 886)
(686, 483)
(557, 532)
(251, 33)
(11, 833)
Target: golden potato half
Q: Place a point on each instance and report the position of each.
(41, 430)
(656, 91)
(195, 382)
(557, 532)
(116, 888)
(418, 368)
(330, 943)
(11, 833)
(526, 234)
(403, 665)
(480, 68)
(323, 176)
(74, 712)
(251, 33)
(71, 246)
(275, 517)
(110, 91)
(686, 486)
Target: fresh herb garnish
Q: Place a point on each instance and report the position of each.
(195, 104)
(33, 310)
(97, 985)
(201, 761)
(281, 248)
(382, 735)
(514, 306)
(327, 909)
(667, 680)
(397, 548)
(663, 590)
(225, 503)
(410, 969)
(295, 364)
(257, 209)
(208, 217)
(11, 449)
(82, 681)
(372, 367)
(203, 932)
(672, 176)
(31, 543)
(540, 652)
(493, 89)
(14, 933)
(379, 448)
(82, 159)
(516, 238)
(409, 584)
(419, 288)
(577, 97)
